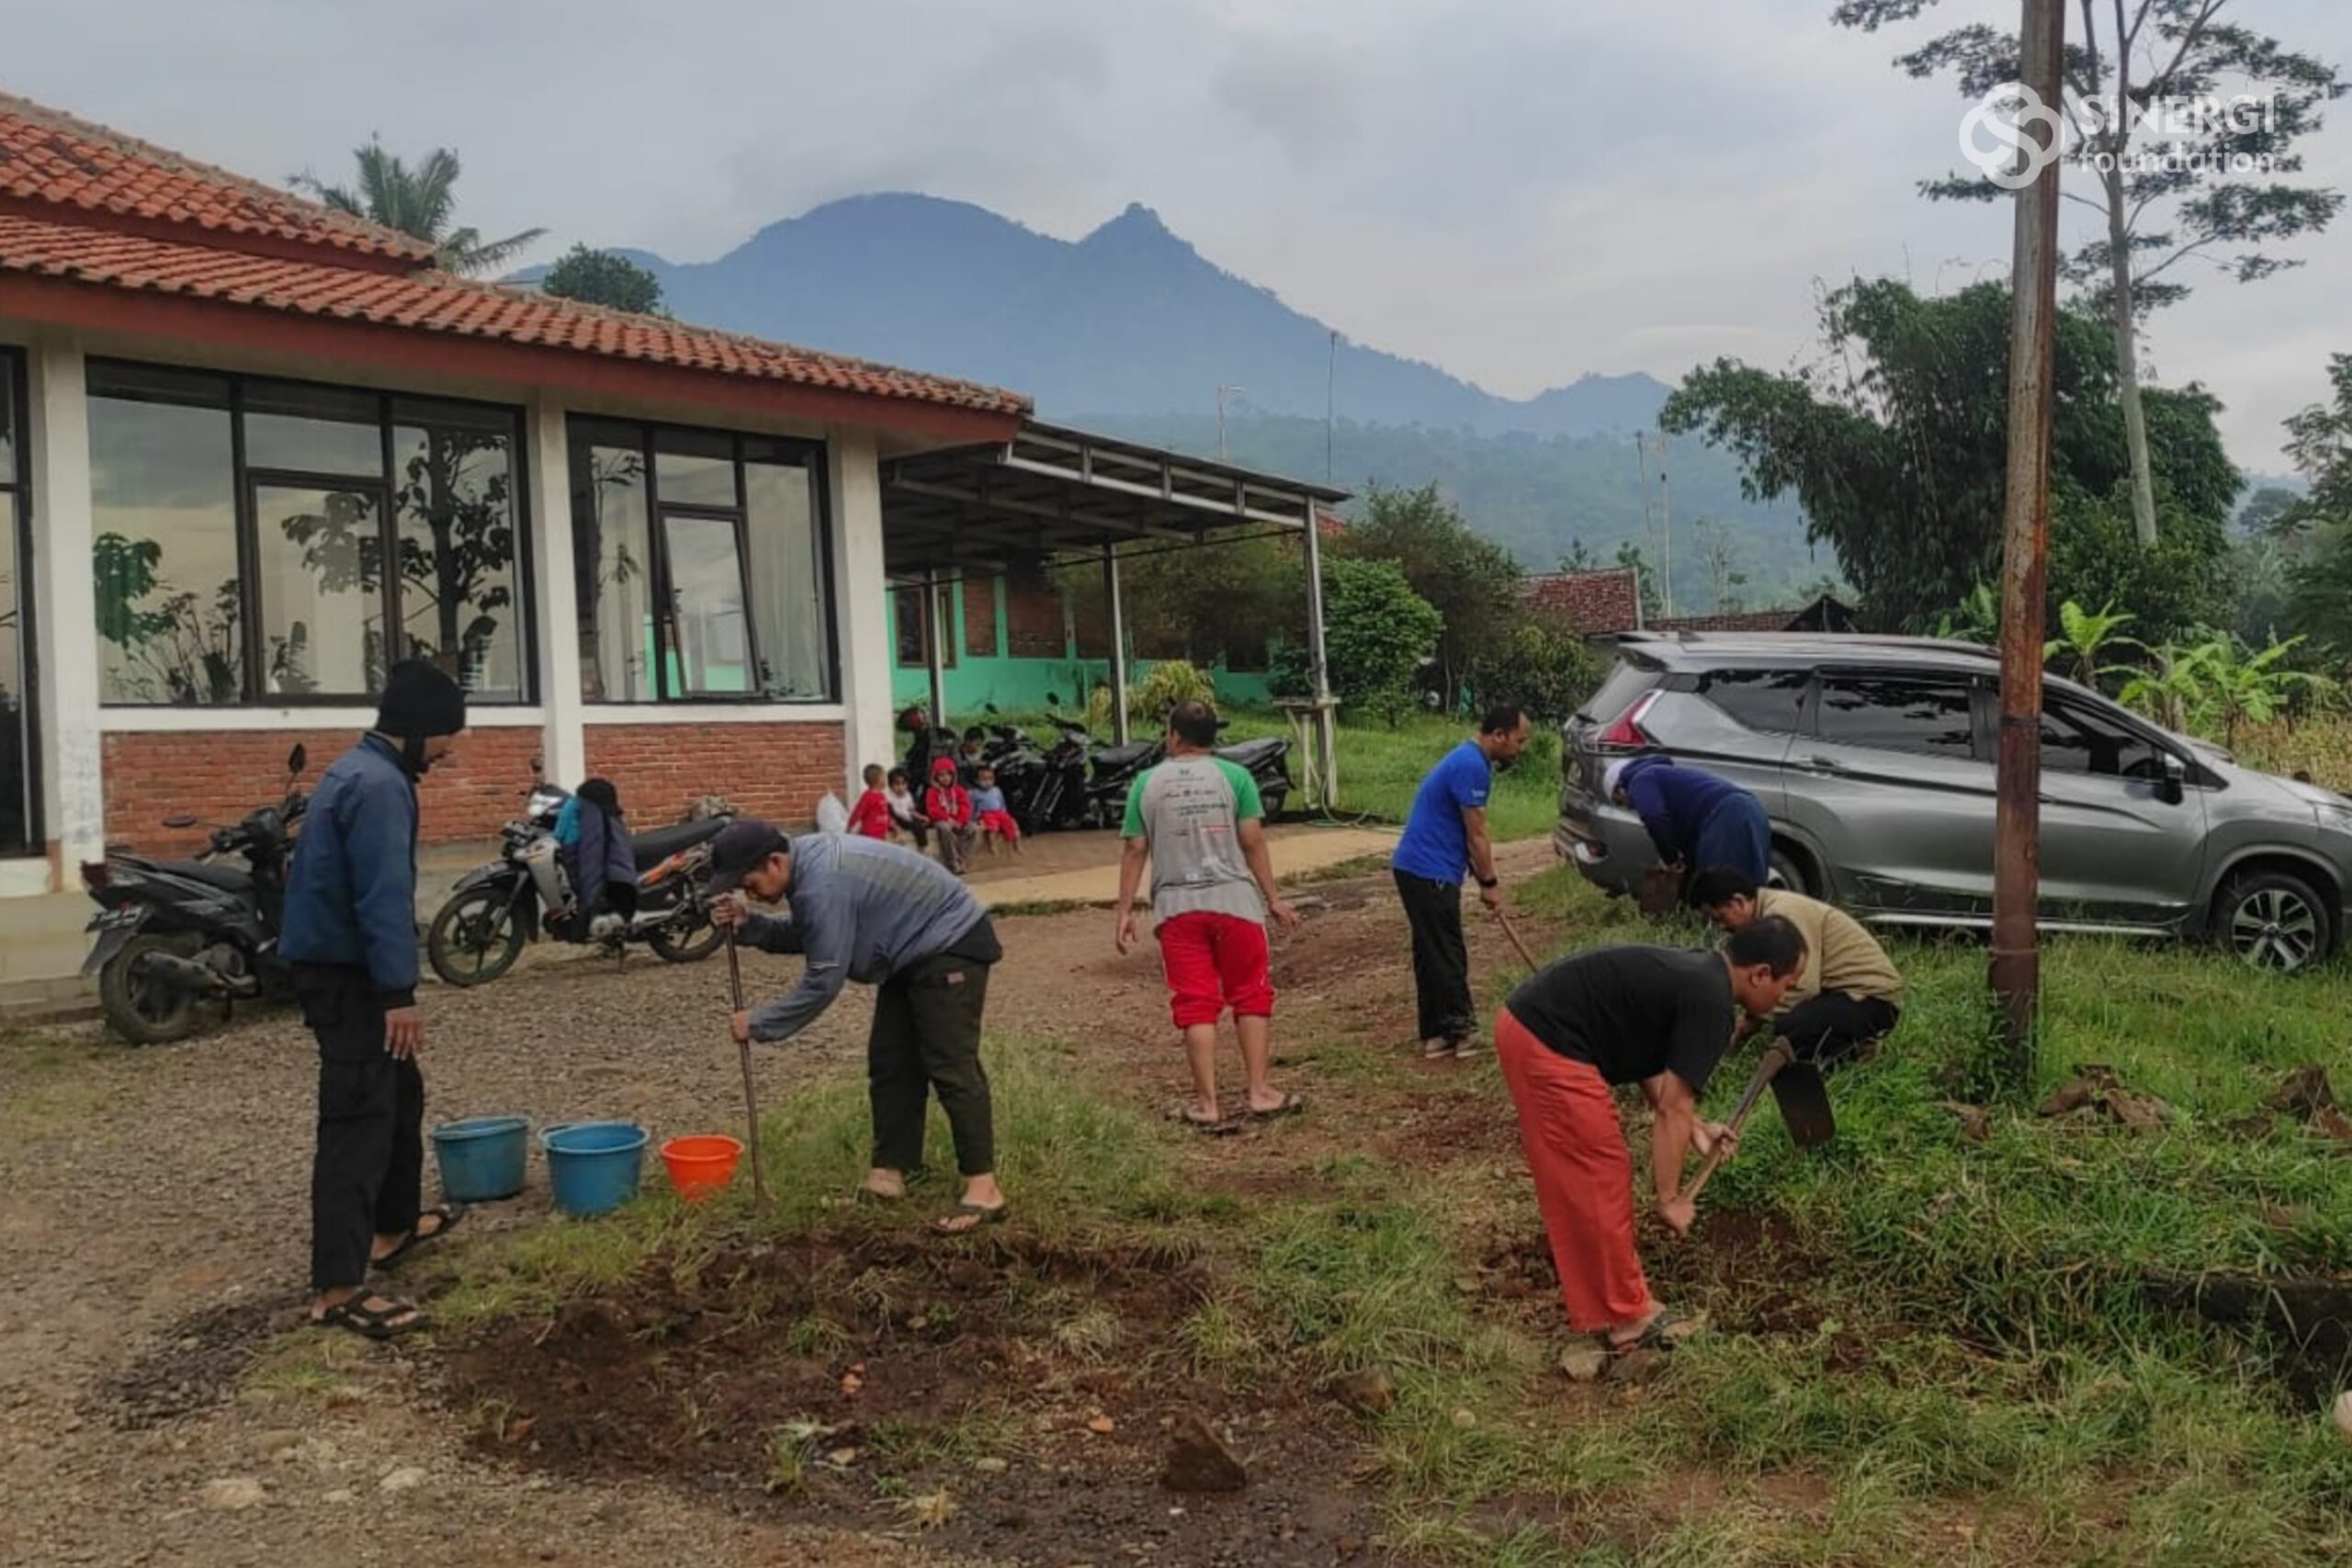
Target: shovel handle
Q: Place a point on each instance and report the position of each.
(1774, 1059)
(743, 1058)
(1518, 941)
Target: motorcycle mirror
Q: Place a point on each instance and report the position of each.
(179, 820)
(989, 708)
(298, 759)
(1053, 700)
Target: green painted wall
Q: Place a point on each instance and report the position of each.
(1021, 685)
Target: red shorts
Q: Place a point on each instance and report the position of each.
(1002, 824)
(1214, 962)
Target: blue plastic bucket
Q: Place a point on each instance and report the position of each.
(481, 1158)
(593, 1166)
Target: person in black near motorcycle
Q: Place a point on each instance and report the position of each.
(601, 856)
(351, 939)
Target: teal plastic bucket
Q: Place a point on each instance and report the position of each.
(482, 1157)
(594, 1166)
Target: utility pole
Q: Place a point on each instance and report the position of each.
(1666, 513)
(2016, 969)
(1221, 388)
(1649, 526)
(1330, 401)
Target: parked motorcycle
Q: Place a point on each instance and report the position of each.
(1112, 771)
(497, 907)
(175, 935)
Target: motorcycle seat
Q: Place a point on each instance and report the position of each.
(1133, 752)
(228, 878)
(658, 844)
(1247, 751)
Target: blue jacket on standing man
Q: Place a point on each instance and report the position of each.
(351, 894)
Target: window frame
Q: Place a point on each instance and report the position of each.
(16, 513)
(815, 459)
(244, 480)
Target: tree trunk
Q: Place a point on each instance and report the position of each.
(2126, 366)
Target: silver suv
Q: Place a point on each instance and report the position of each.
(1873, 757)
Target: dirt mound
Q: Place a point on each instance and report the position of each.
(1752, 1273)
(1014, 1398)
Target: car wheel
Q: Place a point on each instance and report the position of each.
(1784, 870)
(2274, 921)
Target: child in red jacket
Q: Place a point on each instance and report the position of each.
(871, 816)
(949, 808)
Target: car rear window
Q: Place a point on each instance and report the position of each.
(1897, 713)
(1767, 700)
(1625, 682)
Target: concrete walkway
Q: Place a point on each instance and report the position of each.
(1297, 851)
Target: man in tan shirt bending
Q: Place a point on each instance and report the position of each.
(1848, 995)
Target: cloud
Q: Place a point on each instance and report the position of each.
(1519, 190)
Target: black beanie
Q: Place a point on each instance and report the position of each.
(420, 699)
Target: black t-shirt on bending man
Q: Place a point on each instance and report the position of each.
(1633, 1012)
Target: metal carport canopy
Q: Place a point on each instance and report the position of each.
(1053, 492)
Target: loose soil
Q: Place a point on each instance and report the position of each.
(1013, 1394)
(153, 1241)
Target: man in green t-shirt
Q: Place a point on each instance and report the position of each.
(1196, 820)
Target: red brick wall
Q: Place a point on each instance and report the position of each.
(776, 770)
(219, 775)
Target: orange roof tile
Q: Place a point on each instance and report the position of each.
(50, 157)
(432, 301)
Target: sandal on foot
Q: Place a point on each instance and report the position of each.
(447, 1213)
(979, 1214)
(1289, 1105)
(356, 1315)
(1664, 1332)
(1436, 1050)
(1224, 1126)
(1470, 1049)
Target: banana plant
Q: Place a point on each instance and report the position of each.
(2088, 636)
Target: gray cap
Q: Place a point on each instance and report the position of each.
(743, 846)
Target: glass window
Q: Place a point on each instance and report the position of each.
(204, 600)
(313, 430)
(1898, 714)
(321, 566)
(453, 476)
(788, 595)
(2078, 739)
(711, 652)
(7, 419)
(612, 569)
(980, 616)
(731, 528)
(1765, 700)
(914, 650)
(694, 467)
(164, 516)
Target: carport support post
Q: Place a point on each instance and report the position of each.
(1318, 670)
(934, 654)
(1118, 644)
(2016, 971)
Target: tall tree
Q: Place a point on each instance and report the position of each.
(2207, 191)
(2319, 439)
(420, 202)
(1893, 441)
(604, 278)
(1472, 581)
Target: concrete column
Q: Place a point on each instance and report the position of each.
(555, 593)
(1326, 740)
(1115, 613)
(861, 604)
(73, 768)
(935, 646)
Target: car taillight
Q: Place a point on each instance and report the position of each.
(1626, 732)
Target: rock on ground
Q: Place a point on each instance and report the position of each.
(1198, 1459)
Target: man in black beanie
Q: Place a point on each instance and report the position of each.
(350, 939)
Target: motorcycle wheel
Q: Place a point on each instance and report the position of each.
(475, 937)
(144, 1011)
(1273, 801)
(690, 945)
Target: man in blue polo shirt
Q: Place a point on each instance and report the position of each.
(1444, 837)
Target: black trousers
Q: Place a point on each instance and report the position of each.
(926, 1041)
(1441, 961)
(367, 1176)
(1828, 1029)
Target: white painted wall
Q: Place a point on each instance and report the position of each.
(556, 630)
(73, 785)
(861, 602)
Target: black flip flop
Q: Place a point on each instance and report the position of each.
(1292, 1104)
(982, 1217)
(450, 1214)
(1654, 1336)
(1224, 1128)
(355, 1315)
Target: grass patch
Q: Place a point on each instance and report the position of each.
(313, 1364)
(42, 1091)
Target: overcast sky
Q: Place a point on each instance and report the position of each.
(1518, 190)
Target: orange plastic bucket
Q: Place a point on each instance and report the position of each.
(701, 1166)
